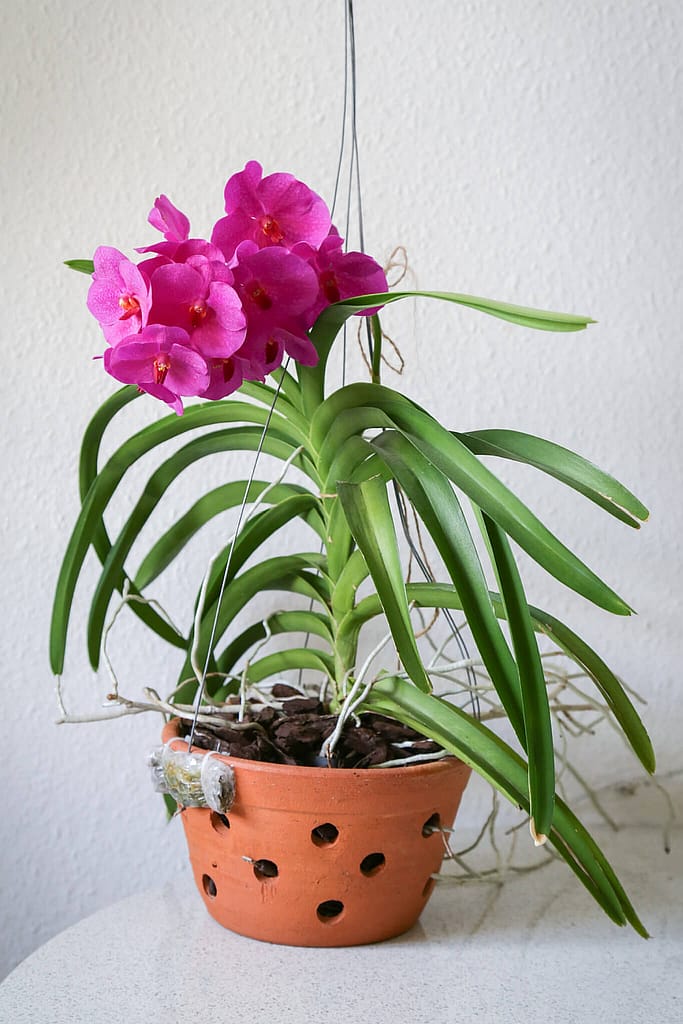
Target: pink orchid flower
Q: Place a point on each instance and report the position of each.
(198, 296)
(161, 361)
(119, 295)
(226, 376)
(275, 286)
(342, 275)
(277, 210)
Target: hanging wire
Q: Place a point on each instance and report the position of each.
(346, 99)
(354, 179)
(226, 571)
(355, 162)
(349, 85)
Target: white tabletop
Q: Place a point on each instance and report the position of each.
(540, 950)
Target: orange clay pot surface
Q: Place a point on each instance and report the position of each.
(323, 856)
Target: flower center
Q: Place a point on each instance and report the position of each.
(161, 367)
(271, 229)
(330, 288)
(198, 313)
(271, 350)
(260, 296)
(228, 369)
(129, 306)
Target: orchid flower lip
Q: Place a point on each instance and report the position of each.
(161, 367)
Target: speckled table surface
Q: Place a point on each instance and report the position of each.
(534, 948)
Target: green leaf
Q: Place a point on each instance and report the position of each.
(564, 465)
(288, 573)
(607, 683)
(112, 575)
(299, 621)
(479, 747)
(266, 395)
(537, 723)
(83, 266)
(230, 495)
(294, 658)
(329, 429)
(289, 386)
(331, 320)
(432, 496)
(89, 458)
(102, 489)
(444, 595)
(368, 514)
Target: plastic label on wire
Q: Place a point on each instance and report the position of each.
(193, 780)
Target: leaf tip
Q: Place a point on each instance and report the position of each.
(538, 837)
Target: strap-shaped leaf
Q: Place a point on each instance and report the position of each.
(453, 458)
(572, 469)
(98, 497)
(491, 757)
(293, 658)
(347, 584)
(537, 723)
(298, 621)
(94, 432)
(444, 595)
(286, 406)
(435, 502)
(356, 462)
(112, 574)
(88, 462)
(300, 574)
(607, 683)
(83, 266)
(230, 495)
(331, 320)
(296, 574)
(367, 511)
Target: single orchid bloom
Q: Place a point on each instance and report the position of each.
(161, 361)
(275, 287)
(165, 217)
(119, 295)
(261, 354)
(198, 296)
(342, 275)
(226, 376)
(277, 210)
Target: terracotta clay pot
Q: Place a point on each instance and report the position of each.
(323, 856)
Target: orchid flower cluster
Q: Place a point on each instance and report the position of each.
(197, 317)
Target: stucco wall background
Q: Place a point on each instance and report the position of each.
(528, 151)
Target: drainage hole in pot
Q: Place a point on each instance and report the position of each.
(324, 835)
(330, 909)
(373, 863)
(264, 869)
(431, 825)
(219, 822)
(429, 885)
(209, 886)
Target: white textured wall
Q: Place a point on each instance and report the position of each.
(529, 151)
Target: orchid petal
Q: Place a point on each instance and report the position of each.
(166, 218)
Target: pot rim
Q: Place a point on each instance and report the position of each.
(450, 761)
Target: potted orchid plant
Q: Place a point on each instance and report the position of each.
(243, 324)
